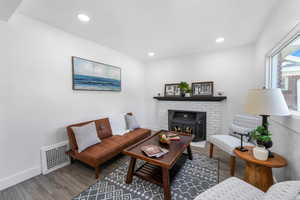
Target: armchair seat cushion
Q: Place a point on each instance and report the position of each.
(227, 142)
(232, 189)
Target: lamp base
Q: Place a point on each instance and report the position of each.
(242, 149)
(270, 154)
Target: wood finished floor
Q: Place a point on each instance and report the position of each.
(67, 182)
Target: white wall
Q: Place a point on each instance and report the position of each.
(7, 8)
(37, 100)
(231, 70)
(286, 131)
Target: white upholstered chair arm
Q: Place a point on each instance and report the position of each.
(232, 189)
(227, 143)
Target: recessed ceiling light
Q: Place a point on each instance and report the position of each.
(83, 17)
(151, 54)
(220, 40)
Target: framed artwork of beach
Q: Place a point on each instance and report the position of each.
(95, 76)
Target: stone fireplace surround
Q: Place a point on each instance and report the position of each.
(213, 113)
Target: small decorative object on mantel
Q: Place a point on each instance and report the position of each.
(172, 90)
(203, 88)
(220, 93)
(184, 89)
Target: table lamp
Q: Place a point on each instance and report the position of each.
(266, 102)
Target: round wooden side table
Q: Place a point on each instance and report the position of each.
(259, 173)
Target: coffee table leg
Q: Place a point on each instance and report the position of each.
(130, 170)
(166, 183)
(190, 152)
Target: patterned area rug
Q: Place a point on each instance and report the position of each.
(193, 177)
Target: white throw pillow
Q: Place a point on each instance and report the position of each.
(118, 125)
(131, 122)
(86, 136)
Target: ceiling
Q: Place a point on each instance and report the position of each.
(7, 8)
(166, 27)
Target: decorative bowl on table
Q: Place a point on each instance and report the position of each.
(163, 138)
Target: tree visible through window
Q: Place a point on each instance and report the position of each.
(285, 72)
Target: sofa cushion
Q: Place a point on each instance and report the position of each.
(103, 128)
(137, 134)
(227, 142)
(118, 125)
(121, 141)
(86, 136)
(232, 189)
(99, 153)
(131, 138)
(131, 122)
(71, 135)
(287, 190)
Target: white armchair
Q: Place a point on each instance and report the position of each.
(236, 189)
(228, 142)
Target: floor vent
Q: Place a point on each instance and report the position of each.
(54, 157)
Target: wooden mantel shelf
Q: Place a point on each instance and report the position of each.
(195, 98)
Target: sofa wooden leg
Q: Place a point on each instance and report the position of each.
(232, 165)
(72, 160)
(97, 171)
(211, 150)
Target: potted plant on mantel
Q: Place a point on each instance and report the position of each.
(263, 141)
(184, 89)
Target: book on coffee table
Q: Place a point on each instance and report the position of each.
(154, 150)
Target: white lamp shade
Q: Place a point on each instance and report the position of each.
(266, 102)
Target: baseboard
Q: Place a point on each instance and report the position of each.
(19, 177)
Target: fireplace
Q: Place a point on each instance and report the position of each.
(189, 122)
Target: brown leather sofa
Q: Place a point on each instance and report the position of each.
(109, 147)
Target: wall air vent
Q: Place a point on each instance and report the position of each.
(54, 157)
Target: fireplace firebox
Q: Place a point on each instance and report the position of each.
(188, 121)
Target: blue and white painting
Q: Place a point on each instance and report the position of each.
(89, 75)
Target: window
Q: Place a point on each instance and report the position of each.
(284, 72)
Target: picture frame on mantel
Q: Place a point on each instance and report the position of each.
(172, 90)
(203, 88)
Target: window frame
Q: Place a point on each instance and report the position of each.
(269, 71)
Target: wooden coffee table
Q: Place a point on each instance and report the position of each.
(157, 170)
(259, 173)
